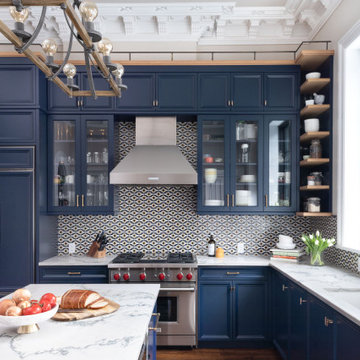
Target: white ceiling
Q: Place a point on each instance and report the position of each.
(195, 23)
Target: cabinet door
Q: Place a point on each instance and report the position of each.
(213, 164)
(58, 100)
(247, 92)
(251, 312)
(298, 324)
(16, 230)
(281, 315)
(151, 344)
(321, 332)
(140, 94)
(246, 163)
(96, 160)
(347, 339)
(64, 164)
(280, 163)
(176, 91)
(102, 102)
(214, 92)
(214, 304)
(280, 92)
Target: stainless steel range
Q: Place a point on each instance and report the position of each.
(177, 275)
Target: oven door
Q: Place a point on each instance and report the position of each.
(177, 307)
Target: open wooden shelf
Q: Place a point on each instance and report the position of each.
(313, 214)
(314, 110)
(314, 187)
(312, 85)
(314, 162)
(312, 59)
(314, 135)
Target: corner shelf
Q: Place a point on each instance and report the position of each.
(313, 214)
(314, 162)
(312, 59)
(314, 135)
(312, 85)
(314, 187)
(314, 110)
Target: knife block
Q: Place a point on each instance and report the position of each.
(94, 251)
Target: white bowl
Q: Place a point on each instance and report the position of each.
(312, 125)
(309, 102)
(285, 239)
(210, 175)
(27, 324)
(247, 178)
(286, 247)
(313, 75)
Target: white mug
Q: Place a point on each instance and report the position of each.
(210, 175)
(69, 179)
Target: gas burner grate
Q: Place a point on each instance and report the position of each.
(177, 257)
(128, 257)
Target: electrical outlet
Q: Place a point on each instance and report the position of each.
(240, 247)
(358, 262)
(72, 248)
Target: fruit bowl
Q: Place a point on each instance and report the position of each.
(27, 324)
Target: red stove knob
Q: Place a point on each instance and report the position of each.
(116, 277)
(126, 277)
(142, 276)
(180, 276)
(161, 276)
(189, 276)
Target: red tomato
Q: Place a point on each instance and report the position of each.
(45, 306)
(32, 310)
(50, 298)
(34, 301)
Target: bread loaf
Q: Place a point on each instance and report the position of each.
(82, 299)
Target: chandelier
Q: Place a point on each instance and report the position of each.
(82, 31)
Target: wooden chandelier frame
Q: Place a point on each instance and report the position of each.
(82, 33)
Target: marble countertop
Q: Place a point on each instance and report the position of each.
(121, 333)
(233, 260)
(76, 260)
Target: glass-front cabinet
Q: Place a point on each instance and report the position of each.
(246, 163)
(80, 158)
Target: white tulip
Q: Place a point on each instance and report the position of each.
(317, 233)
(316, 242)
(311, 236)
(303, 238)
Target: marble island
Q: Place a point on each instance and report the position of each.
(118, 335)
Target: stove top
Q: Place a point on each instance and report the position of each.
(154, 258)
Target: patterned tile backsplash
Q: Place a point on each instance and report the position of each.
(158, 218)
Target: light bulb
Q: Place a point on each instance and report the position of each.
(119, 72)
(88, 10)
(69, 70)
(49, 46)
(19, 16)
(105, 46)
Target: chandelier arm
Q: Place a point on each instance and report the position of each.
(36, 32)
(71, 27)
(89, 73)
(18, 4)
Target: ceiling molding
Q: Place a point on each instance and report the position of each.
(199, 23)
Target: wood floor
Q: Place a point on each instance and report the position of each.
(217, 354)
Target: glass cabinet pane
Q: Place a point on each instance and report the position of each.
(280, 163)
(246, 163)
(97, 170)
(213, 163)
(64, 163)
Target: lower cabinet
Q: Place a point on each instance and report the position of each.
(233, 307)
(73, 274)
(151, 337)
(347, 339)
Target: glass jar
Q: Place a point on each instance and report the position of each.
(315, 149)
(317, 177)
(311, 180)
(313, 204)
(240, 130)
(96, 157)
(245, 153)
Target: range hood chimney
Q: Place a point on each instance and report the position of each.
(155, 159)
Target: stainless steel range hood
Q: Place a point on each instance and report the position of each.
(155, 159)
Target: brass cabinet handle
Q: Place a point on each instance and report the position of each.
(284, 287)
(229, 103)
(74, 273)
(233, 200)
(266, 200)
(233, 273)
(156, 328)
(77, 200)
(302, 301)
(232, 102)
(154, 103)
(82, 200)
(228, 200)
(265, 102)
(327, 321)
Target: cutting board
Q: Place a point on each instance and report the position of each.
(86, 313)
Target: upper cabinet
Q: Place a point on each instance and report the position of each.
(251, 92)
(80, 158)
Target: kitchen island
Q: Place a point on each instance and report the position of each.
(119, 335)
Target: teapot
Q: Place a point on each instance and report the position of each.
(319, 99)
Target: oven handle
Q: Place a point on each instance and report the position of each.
(178, 289)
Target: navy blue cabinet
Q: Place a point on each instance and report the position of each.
(247, 163)
(247, 92)
(151, 338)
(16, 218)
(81, 149)
(233, 306)
(73, 274)
(347, 339)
